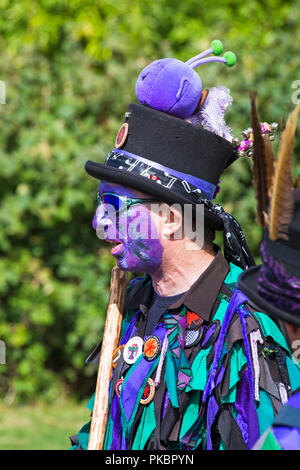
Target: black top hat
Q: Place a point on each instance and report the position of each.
(274, 286)
(168, 158)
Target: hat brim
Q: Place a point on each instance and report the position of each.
(248, 282)
(146, 185)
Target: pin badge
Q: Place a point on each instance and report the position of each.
(122, 135)
(193, 320)
(148, 392)
(133, 349)
(116, 355)
(118, 387)
(151, 348)
(193, 337)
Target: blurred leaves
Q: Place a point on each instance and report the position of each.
(70, 70)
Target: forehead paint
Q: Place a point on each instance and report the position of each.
(141, 250)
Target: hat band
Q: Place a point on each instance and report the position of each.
(182, 183)
(277, 286)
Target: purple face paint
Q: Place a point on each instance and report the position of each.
(138, 247)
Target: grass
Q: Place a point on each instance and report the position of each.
(40, 426)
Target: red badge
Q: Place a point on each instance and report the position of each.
(148, 392)
(122, 135)
(151, 348)
(193, 319)
(118, 387)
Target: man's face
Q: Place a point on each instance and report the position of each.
(133, 230)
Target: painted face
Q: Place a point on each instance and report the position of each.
(134, 230)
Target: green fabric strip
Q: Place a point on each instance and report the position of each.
(270, 443)
(269, 328)
(264, 411)
(237, 362)
(146, 427)
(83, 436)
(170, 379)
(191, 413)
(233, 275)
(293, 372)
(199, 371)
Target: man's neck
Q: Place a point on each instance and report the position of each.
(178, 274)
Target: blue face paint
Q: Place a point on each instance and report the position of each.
(138, 247)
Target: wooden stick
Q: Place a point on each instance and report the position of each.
(109, 344)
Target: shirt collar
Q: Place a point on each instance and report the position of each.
(201, 296)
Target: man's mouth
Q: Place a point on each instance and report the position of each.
(117, 246)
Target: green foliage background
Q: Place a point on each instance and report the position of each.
(70, 70)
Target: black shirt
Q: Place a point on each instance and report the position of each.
(158, 306)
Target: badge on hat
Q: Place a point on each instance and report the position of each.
(151, 348)
(133, 349)
(149, 392)
(122, 135)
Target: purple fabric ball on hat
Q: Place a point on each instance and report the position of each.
(171, 86)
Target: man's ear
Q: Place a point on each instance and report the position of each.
(172, 221)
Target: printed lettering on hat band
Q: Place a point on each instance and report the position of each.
(179, 182)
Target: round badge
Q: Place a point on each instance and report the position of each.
(118, 387)
(151, 348)
(193, 337)
(117, 353)
(133, 349)
(122, 135)
(148, 392)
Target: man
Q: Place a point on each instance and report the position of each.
(184, 376)
(274, 286)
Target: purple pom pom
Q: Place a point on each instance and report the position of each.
(171, 86)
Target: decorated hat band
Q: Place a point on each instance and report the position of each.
(182, 183)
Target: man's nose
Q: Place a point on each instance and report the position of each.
(105, 223)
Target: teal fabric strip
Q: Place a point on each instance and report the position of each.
(269, 328)
(293, 372)
(191, 412)
(146, 427)
(170, 379)
(264, 411)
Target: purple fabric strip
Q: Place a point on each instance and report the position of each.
(205, 186)
(212, 409)
(166, 401)
(243, 314)
(248, 419)
(288, 438)
(133, 384)
(117, 426)
(236, 301)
